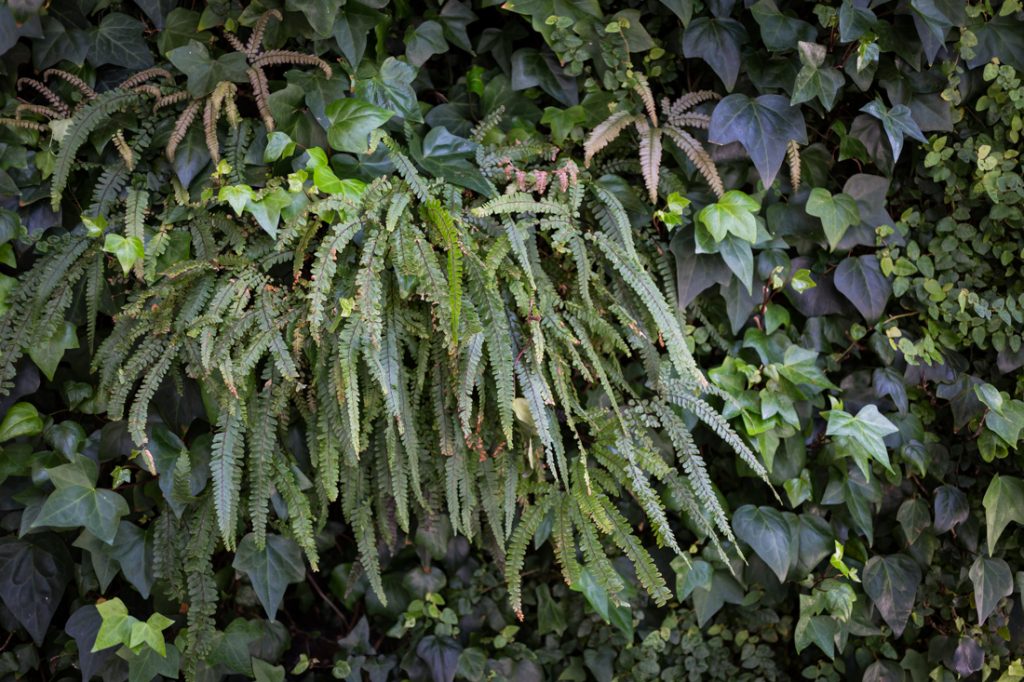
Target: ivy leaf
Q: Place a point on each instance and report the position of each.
(891, 582)
(354, 22)
(818, 630)
(717, 42)
(933, 19)
(127, 250)
(836, 212)
(854, 21)
(690, 576)
(779, 31)
(681, 8)
(767, 533)
(424, 41)
(118, 40)
(992, 581)
(115, 625)
(32, 582)
(999, 37)
(237, 196)
(267, 210)
(951, 508)
(814, 79)
(1003, 502)
(764, 126)
(77, 503)
(391, 88)
(204, 72)
(533, 68)
(562, 121)
(270, 569)
(147, 663)
(351, 122)
(82, 626)
(279, 146)
(914, 518)
(861, 437)
(860, 280)
(325, 179)
(150, 633)
(22, 419)
(58, 44)
(47, 353)
(897, 122)
(735, 213)
(441, 656)
(319, 13)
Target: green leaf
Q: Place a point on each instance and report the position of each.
(717, 41)
(735, 213)
(391, 88)
(764, 126)
(779, 31)
(814, 79)
(860, 280)
(267, 209)
(237, 196)
(992, 581)
(115, 626)
(691, 575)
(325, 179)
(75, 506)
(352, 120)
(47, 353)
(891, 582)
(1003, 502)
(837, 213)
(914, 518)
(32, 581)
(818, 630)
(951, 508)
(279, 146)
(532, 68)
(355, 21)
(147, 663)
(128, 250)
(424, 41)
(550, 613)
(861, 437)
(204, 72)
(22, 419)
(263, 671)
(562, 121)
(118, 40)
(897, 123)
(150, 633)
(767, 533)
(271, 568)
(319, 13)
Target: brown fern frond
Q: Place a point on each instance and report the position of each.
(210, 115)
(124, 149)
(146, 75)
(49, 95)
(604, 132)
(234, 41)
(149, 89)
(72, 80)
(37, 109)
(650, 156)
(167, 100)
(231, 110)
(181, 127)
(291, 57)
(261, 91)
(643, 89)
(793, 158)
(22, 123)
(694, 151)
(690, 120)
(692, 99)
(255, 44)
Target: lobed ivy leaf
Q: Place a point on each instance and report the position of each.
(861, 436)
(22, 419)
(767, 533)
(763, 125)
(204, 72)
(717, 41)
(33, 575)
(271, 568)
(897, 122)
(351, 122)
(118, 40)
(992, 581)
(891, 582)
(1003, 502)
(860, 280)
(837, 212)
(814, 79)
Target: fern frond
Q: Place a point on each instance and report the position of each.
(698, 156)
(793, 159)
(226, 466)
(181, 126)
(650, 157)
(531, 519)
(643, 88)
(277, 57)
(49, 95)
(73, 80)
(255, 44)
(605, 132)
(145, 75)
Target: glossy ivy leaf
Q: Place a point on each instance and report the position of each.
(150, 633)
(267, 209)
(271, 568)
(681, 8)
(691, 575)
(351, 122)
(146, 664)
(47, 353)
(127, 250)
(861, 436)
(325, 179)
(992, 581)
(716, 41)
(933, 20)
(237, 196)
(818, 630)
(767, 533)
(22, 419)
(424, 41)
(33, 575)
(837, 212)
(1003, 502)
(562, 121)
(115, 624)
(854, 21)
(82, 626)
(319, 13)
(914, 517)
(814, 78)
(891, 582)
(723, 590)
(898, 124)
(764, 126)
(355, 21)
(999, 37)
(279, 146)
(441, 656)
(205, 72)
(734, 213)
(951, 508)
(860, 280)
(533, 68)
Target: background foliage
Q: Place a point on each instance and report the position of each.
(852, 293)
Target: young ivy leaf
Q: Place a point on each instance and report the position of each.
(897, 123)
(735, 213)
(127, 250)
(22, 419)
(352, 121)
(814, 79)
(837, 212)
(861, 436)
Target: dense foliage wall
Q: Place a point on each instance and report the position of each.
(565, 339)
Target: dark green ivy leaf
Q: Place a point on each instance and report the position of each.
(424, 41)
(204, 72)
(118, 40)
(891, 582)
(897, 123)
(767, 533)
(860, 279)
(319, 13)
(779, 31)
(951, 508)
(1000, 37)
(533, 68)
(390, 88)
(717, 42)
(355, 21)
(764, 126)
(270, 569)
(814, 79)
(992, 581)
(441, 655)
(33, 576)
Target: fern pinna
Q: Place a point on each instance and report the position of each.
(442, 355)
